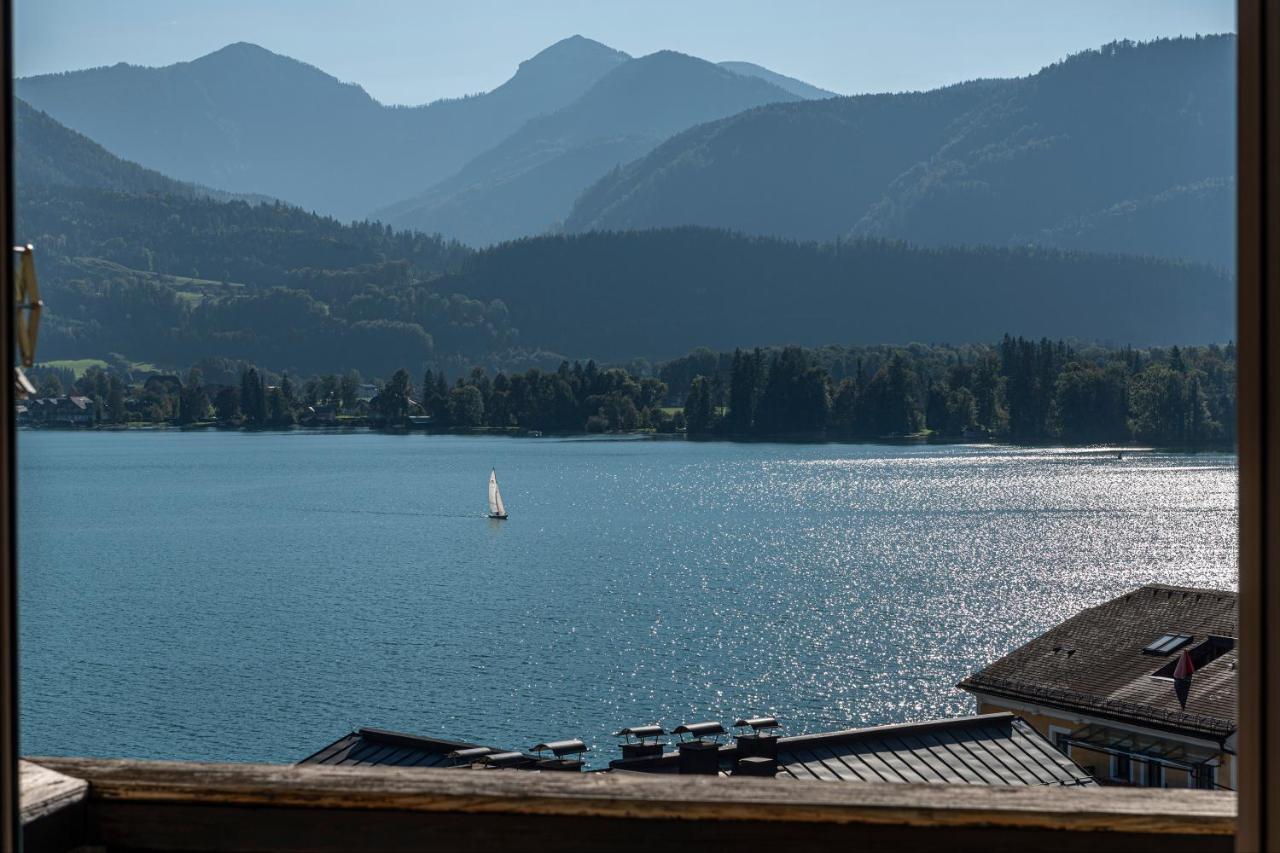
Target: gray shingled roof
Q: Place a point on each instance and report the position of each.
(987, 749)
(1094, 662)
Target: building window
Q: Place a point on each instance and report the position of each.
(1205, 776)
(1155, 774)
(1061, 739)
(1120, 768)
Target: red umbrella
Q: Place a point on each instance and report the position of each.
(1182, 672)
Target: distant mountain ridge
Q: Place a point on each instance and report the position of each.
(1132, 141)
(529, 181)
(135, 263)
(245, 119)
(49, 155)
(799, 88)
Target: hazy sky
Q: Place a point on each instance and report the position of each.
(404, 51)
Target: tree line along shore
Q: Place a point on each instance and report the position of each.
(1015, 390)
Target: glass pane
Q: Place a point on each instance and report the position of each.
(419, 388)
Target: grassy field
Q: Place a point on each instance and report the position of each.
(79, 365)
(76, 365)
(193, 291)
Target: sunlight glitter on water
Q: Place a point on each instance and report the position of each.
(252, 596)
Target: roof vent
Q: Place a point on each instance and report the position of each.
(469, 756)
(559, 749)
(641, 741)
(761, 740)
(697, 755)
(504, 759)
(758, 723)
(698, 731)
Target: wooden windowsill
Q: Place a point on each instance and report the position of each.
(119, 791)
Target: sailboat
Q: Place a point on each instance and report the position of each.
(496, 509)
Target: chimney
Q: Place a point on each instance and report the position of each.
(558, 749)
(641, 741)
(760, 740)
(698, 755)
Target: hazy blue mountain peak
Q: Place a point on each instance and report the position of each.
(575, 48)
(796, 87)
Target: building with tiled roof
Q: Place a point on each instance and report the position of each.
(1102, 687)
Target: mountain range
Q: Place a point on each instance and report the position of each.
(1122, 149)
(1129, 148)
(163, 271)
(527, 183)
(244, 119)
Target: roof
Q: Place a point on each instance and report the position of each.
(376, 747)
(987, 749)
(1095, 663)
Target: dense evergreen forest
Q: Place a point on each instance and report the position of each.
(1017, 390)
(657, 294)
(171, 280)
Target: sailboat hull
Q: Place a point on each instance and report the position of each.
(497, 517)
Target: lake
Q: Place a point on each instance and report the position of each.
(253, 596)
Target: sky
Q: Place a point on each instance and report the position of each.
(408, 52)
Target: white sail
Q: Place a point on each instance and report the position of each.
(495, 497)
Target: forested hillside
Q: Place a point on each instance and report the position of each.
(140, 266)
(1127, 148)
(171, 280)
(658, 293)
(132, 262)
(51, 155)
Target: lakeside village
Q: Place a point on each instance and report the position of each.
(1138, 691)
(1017, 391)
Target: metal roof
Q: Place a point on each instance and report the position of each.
(987, 749)
(1097, 662)
(370, 747)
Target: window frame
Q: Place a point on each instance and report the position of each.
(1258, 348)
(1114, 768)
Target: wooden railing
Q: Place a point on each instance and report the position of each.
(161, 805)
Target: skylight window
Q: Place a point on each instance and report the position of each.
(1167, 644)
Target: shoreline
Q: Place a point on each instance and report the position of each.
(643, 435)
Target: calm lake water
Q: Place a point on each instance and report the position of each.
(252, 596)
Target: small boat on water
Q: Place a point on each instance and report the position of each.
(496, 508)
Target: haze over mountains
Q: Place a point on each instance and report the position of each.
(1128, 149)
(159, 271)
(245, 119)
(1124, 149)
(527, 183)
